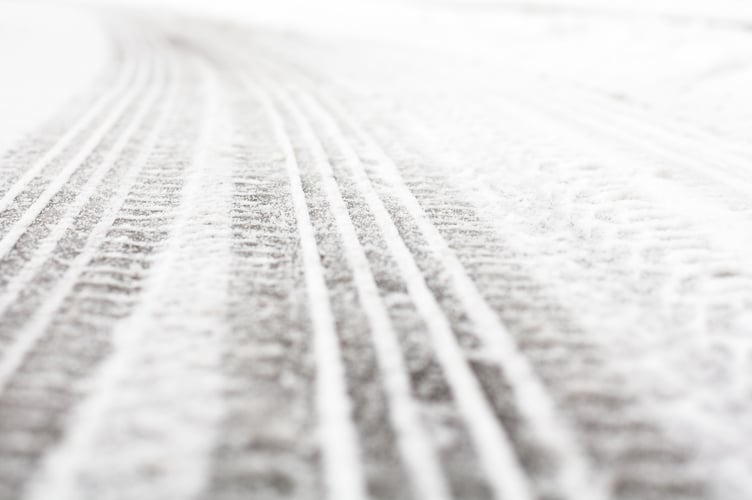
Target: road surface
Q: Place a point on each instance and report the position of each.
(429, 251)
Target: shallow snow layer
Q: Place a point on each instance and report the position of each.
(390, 250)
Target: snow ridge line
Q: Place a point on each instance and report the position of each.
(14, 355)
(415, 445)
(20, 226)
(490, 440)
(343, 475)
(575, 474)
(64, 142)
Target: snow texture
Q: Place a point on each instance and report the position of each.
(418, 250)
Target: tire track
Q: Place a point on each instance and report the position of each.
(369, 421)
(68, 227)
(44, 363)
(29, 213)
(529, 392)
(184, 388)
(431, 392)
(383, 470)
(343, 477)
(472, 402)
(71, 135)
(415, 447)
(266, 362)
(60, 468)
(88, 202)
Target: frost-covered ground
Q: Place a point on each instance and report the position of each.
(477, 249)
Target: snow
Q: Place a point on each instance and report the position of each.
(49, 53)
(359, 249)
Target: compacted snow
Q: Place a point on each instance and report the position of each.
(416, 250)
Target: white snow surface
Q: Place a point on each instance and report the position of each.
(49, 53)
(429, 249)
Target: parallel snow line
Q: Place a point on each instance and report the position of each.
(503, 471)
(14, 355)
(46, 248)
(57, 477)
(64, 142)
(418, 453)
(9, 240)
(575, 474)
(342, 469)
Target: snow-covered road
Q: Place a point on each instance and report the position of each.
(419, 250)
